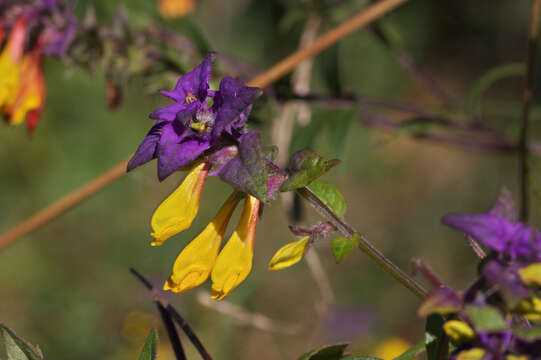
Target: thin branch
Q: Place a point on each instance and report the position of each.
(364, 17)
(174, 314)
(176, 344)
(244, 317)
(46, 215)
(524, 169)
(364, 244)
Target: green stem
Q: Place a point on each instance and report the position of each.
(364, 244)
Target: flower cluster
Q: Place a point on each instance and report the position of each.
(488, 320)
(22, 85)
(204, 131)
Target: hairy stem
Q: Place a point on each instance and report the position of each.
(524, 169)
(364, 244)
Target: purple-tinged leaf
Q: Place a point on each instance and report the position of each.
(443, 300)
(248, 170)
(304, 167)
(323, 228)
(507, 279)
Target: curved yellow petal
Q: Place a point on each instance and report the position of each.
(289, 254)
(235, 260)
(11, 64)
(531, 275)
(193, 265)
(458, 331)
(177, 212)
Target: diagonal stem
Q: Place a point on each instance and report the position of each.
(364, 244)
(174, 314)
(77, 196)
(176, 344)
(524, 170)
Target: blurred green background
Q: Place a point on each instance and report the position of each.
(67, 286)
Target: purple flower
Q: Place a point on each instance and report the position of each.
(189, 127)
(513, 239)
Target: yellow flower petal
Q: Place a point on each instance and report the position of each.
(530, 308)
(289, 254)
(516, 357)
(531, 275)
(177, 212)
(11, 64)
(471, 354)
(458, 331)
(175, 8)
(194, 263)
(235, 260)
(390, 348)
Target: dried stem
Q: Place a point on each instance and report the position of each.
(174, 314)
(524, 169)
(176, 344)
(46, 215)
(51, 212)
(364, 244)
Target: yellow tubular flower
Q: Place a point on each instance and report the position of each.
(175, 8)
(289, 254)
(177, 212)
(195, 262)
(235, 260)
(471, 354)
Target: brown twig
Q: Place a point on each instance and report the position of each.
(51, 212)
(524, 170)
(44, 216)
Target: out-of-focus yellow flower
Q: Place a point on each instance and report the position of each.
(289, 254)
(516, 357)
(390, 348)
(175, 8)
(235, 260)
(11, 63)
(22, 86)
(530, 308)
(471, 354)
(195, 262)
(459, 331)
(177, 212)
(531, 275)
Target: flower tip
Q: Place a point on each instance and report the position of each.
(232, 281)
(189, 281)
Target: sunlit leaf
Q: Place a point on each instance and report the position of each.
(330, 195)
(13, 347)
(150, 349)
(341, 246)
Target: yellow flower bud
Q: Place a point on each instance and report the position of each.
(177, 212)
(235, 260)
(289, 254)
(458, 331)
(194, 263)
(530, 308)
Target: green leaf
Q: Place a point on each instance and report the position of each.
(485, 318)
(13, 347)
(304, 167)
(341, 246)
(150, 349)
(433, 333)
(330, 196)
(532, 334)
(412, 352)
(328, 352)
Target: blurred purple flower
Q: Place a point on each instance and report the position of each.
(345, 323)
(513, 239)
